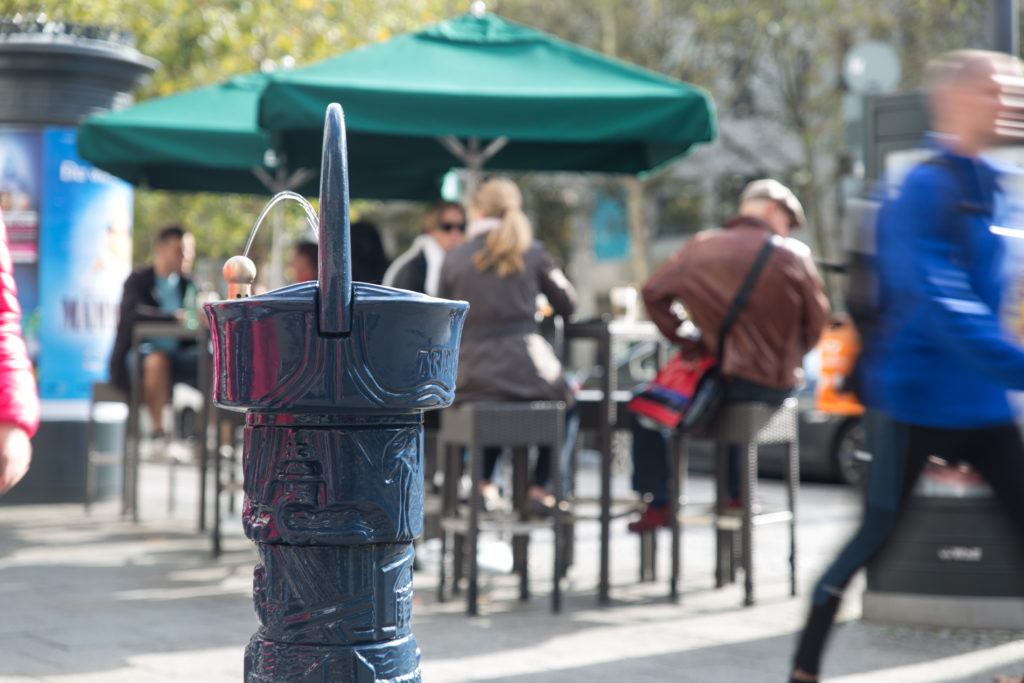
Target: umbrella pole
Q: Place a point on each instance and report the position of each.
(472, 157)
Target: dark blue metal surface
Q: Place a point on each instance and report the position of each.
(335, 272)
(334, 376)
(333, 486)
(388, 662)
(401, 356)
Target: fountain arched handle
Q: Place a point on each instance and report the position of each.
(335, 257)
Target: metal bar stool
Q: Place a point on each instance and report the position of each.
(748, 425)
(227, 480)
(515, 425)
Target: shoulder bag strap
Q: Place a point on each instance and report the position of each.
(740, 302)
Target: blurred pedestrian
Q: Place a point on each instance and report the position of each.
(763, 352)
(937, 365)
(500, 270)
(161, 292)
(419, 268)
(369, 262)
(19, 401)
(304, 261)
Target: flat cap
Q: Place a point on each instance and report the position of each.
(766, 188)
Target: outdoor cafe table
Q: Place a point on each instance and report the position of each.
(142, 332)
(606, 417)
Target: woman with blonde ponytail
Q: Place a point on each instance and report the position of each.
(501, 271)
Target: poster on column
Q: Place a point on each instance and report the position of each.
(84, 258)
(21, 160)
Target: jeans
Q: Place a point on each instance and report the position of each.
(900, 451)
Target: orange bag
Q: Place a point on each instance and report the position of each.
(839, 346)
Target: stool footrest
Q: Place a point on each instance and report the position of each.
(735, 522)
(513, 527)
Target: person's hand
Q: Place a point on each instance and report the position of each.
(15, 455)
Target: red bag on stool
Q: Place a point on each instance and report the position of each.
(664, 400)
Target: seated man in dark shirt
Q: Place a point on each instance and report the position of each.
(158, 293)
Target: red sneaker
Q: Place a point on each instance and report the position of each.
(651, 519)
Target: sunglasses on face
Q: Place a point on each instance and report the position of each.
(448, 227)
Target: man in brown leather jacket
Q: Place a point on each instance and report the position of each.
(763, 351)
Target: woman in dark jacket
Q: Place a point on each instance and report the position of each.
(500, 270)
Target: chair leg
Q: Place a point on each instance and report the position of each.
(521, 503)
(558, 475)
(723, 538)
(794, 483)
(557, 571)
(679, 445)
(231, 438)
(90, 437)
(129, 473)
(647, 555)
(458, 562)
(441, 573)
(749, 490)
(218, 488)
(451, 463)
(476, 469)
(520, 547)
(172, 479)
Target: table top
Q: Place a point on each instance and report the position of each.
(598, 327)
(156, 328)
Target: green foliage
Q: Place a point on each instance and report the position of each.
(199, 42)
(796, 46)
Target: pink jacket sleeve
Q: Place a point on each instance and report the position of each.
(19, 399)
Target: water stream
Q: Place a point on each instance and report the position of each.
(311, 216)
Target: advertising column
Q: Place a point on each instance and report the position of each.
(69, 227)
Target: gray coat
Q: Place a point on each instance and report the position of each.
(502, 356)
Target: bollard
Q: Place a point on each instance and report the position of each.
(334, 376)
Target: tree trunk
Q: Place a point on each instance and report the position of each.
(637, 228)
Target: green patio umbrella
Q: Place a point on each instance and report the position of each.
(461, 92)
(207, 140)
(203, 139)
(477, 88)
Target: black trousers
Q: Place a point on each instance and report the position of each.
(541, 471)
(900, 451)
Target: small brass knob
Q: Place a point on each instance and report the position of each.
(240, 273)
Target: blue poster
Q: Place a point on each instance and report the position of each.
(84, 258)
(20, 189)
(21, 173)
(611, 233)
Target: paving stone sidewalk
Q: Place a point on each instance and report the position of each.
(97, 599)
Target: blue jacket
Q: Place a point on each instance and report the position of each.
(939, 357)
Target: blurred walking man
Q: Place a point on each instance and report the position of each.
(935, 372)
